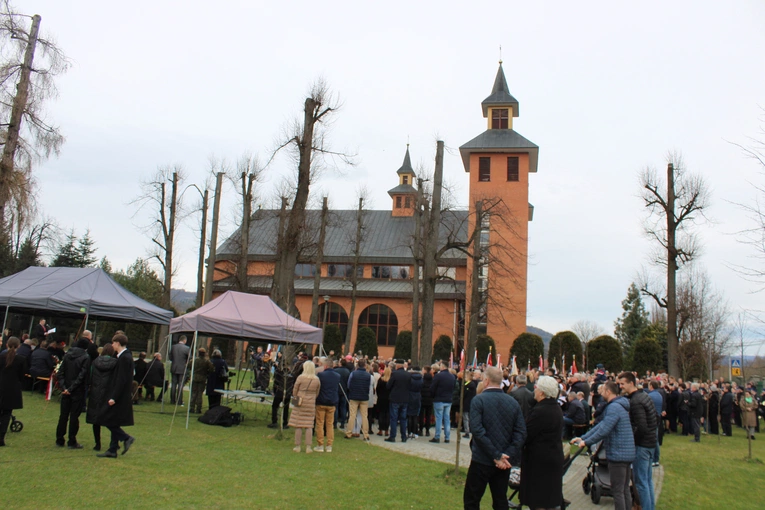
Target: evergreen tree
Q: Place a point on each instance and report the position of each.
(141, 280)
(403, 348)
(28, 255)
(333, 340)
(565, 343)
(634, 319)
(86, 249)
(606, 350)
(646, 355)
(107, 266)
(67, 255)
(366, 342)
(482, 344)
(7, 262)
(528, 347)
(442, 348)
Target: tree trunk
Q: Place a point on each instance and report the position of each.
(430, 263)
(354, 276)
(213, 238)
(317, 270)
(17, 112)
(672, 340)
(244, 241)
(417, 252)
(475, 281)
(202, 241)
(169, 241)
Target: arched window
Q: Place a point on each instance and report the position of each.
(336, 315)
(382, 320)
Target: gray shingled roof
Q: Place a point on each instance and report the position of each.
(387, 238)
(500, 140)
(500, 95)
(406, 168)
(446, 289)
(402, 189)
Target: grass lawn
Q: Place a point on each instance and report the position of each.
(711, 475)
(206, 466)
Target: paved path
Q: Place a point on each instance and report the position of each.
(572, 481)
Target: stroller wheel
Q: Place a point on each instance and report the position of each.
(16, 426)
(595, 494)
(586, 484)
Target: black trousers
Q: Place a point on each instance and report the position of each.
(696, 427)
(714, 428)
(213, 400)
(426, 413)
(725, 423)
(71, 408)
(275, 408)
(5, 420)
(97, 434)
(177, 389)
(478, 476)
(117, 435)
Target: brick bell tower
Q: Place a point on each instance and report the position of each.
(499, 161)
(404, 195)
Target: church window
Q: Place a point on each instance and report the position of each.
(408, 202)
(405, 179)
(398, 202)
(484, 169)
(512, 169)
(499, 118)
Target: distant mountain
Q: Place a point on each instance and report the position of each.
(182, 300)
(546, 336)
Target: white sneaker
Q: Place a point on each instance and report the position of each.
(319, 449)
(329, 449)
(296, 449)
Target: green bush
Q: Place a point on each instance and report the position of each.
(366, 342)
(442, 349)
(333, 340)
(482, 344)
(403, 348)
(606, 350)
(565, 343)
(646, 355)
(526, 348)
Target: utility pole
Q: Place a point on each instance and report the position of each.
(202, 239)
(17, 113)
(213, 238)
(417, 251)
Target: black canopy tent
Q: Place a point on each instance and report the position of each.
(76, 292)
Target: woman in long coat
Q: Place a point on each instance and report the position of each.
(748, 405)
(12, 370)
(307, 387)
(216, 380)
(100, 382)
(542, 459)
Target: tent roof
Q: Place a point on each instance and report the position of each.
(77, 291)
(242, 315)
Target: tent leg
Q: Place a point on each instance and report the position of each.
(86, 322)
(5, 320)
(31, 323)
(193, 362)
(168, 341)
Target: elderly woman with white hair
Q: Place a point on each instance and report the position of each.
(542, 460)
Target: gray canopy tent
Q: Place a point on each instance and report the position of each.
(244, 317)
(74, 292)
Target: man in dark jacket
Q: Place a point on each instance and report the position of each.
(120, 399)
(141, 369)
(179, 356)
(72, 378)
(522, 394)
(426, 403)
(92, 347)
(398, 398)
(726, 410)
(643, 418)
(41, 365)
(471, 387)
(575, 414)
(359, 383)
(155, 376)
(696, 412)
(39, 331)
(441, 389)
(341, 414)
(499, 432)
(326, 403)
(683, 409)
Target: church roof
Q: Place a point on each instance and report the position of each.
(500, 140)
(406, 168)
(402, 189)
(388, 238)
(500, 95)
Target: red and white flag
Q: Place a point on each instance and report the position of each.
(51, 384)
(488, 358)
(573, 366)
(541, 364)
(499, 362)
(462, 360)
(514, 368)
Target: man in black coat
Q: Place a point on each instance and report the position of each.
(179, 356)
(155, 376)
(341, 413)
(499, 432)
(426, 404)
(92, 347)
(39, 331)
(522, 394)
(72, 378)
(673, 404)
(696, 412)
(726, 410)
(398, 398)
(120, 399)
(141, 369)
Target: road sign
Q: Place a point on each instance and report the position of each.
(736, 372)
(735, 363)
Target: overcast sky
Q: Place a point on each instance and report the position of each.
(605, 89)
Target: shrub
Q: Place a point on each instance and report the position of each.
(442, 349)
(528, 347)
(403, 348)
(646, 355)
(565, 343)
(606, 350)
(366, 342)
(482, 344)
(333, 340)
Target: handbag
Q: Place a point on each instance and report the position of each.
(297, 400)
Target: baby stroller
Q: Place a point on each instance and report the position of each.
(597, 483)
(16, 425)
(515, 479)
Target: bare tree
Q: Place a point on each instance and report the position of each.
(420, 206)
(25, 85)
(307, 141)
(166, 212)
(674, 206)
(587, 330)
(219, 171)
(317, 265)
(357, 240)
